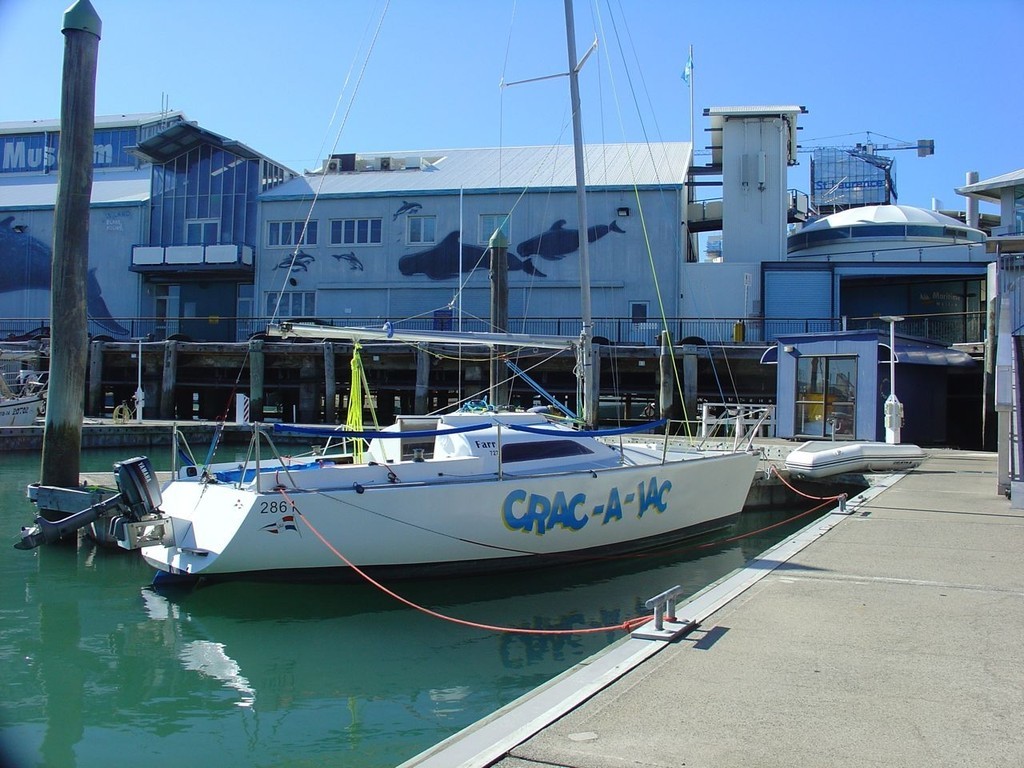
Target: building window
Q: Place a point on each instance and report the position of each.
(356, 232)
(292, 304)
(202, 232)
(286, 233)
(422, 229)
(826, 396)
(638, 311)
(491, 223)
(1018, 211)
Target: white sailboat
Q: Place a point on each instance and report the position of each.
(480, 490)
(23, 400)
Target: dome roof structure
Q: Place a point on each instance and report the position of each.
(883, 214)
(874, 228)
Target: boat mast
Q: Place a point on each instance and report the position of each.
(586, 364)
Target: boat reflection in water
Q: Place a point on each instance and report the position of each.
(97, 666)
(275, 649)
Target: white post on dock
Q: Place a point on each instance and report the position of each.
(241, 409)
(893, 407)
(140, 394)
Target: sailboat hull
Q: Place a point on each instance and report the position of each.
(21, 411)
(417, 525)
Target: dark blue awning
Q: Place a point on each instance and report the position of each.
(907, 353)
(921, 354)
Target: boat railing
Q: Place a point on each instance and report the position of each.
(738, 419)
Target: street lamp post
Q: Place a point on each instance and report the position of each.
(893, 407)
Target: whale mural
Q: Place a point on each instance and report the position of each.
(25, 263)
(442, 262)
(558, 242)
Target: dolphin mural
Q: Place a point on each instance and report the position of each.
(25, 263)
(442, 262)
(300, 263)
(351, 259)
(558, 241)
(407, 207)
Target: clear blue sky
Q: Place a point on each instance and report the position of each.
(271, 74)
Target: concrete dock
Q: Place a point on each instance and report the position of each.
(887, 636)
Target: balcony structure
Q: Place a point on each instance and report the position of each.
(193, 262)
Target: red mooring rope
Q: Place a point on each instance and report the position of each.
(627, 626)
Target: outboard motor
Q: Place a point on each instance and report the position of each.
(134, 513)
(142, 523)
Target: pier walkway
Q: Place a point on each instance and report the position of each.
(888, 636)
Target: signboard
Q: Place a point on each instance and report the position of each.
(843, 178)
(37, 152)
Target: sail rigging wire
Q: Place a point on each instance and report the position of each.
(640, 208)
(663, 315)
(300, 240)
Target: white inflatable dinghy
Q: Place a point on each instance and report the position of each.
(822, 459)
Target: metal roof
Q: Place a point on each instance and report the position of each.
(103, 121)
(909, 351)
(108, 188)
(753, 111)
(448, 170)
(990, 189)
(181, 137)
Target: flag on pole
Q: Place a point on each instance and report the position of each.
(688, 70)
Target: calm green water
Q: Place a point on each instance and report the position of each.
(99, 670)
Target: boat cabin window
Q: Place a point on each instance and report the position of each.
(413, 449)
(419, 447)
(542, 449)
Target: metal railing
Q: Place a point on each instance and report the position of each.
(951, 328)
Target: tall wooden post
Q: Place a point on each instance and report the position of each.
(257, 361)
(62, 433)
(689, 384)
(421, 401)
(666, 377)
(94, 403)
(170, 375)
(309, 391)
(330, 385)
(498, 245)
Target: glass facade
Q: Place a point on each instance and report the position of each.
(210, 185)
(1018, 210)
(842, 178)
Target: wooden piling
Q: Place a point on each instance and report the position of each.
(330, 385)
(498, 253)
(170, 375)
(69, 336)
(256, 362)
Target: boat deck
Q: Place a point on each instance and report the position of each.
(886, 636)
